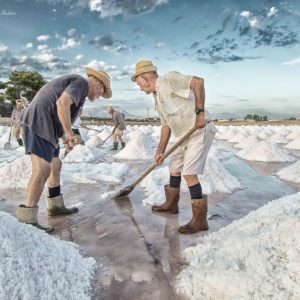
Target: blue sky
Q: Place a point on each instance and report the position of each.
(248, 52)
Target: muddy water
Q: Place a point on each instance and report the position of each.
(139, 253)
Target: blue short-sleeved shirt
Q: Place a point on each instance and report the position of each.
(41, 114)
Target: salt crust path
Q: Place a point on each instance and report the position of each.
(256, 257)
(35, 265)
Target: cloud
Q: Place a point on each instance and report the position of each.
(3, 48)
(108, 43)
(111, 8)
(72, 40)
(292, 62)
(7, 13)
(43, 48)
(43, 38)
(79, 56)
(160, 45)
(272, 12)
(245, 14)
(29, 45)
(254, 22)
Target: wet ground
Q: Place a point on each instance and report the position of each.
(139, 253)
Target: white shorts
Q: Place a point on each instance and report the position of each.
(190, 158)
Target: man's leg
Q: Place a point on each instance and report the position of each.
(115, 142)
(55, 202)
(28, 213)
(172, 190)
(38, 178)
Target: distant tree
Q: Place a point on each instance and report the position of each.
(2, 99)
(292, 119)
(256, 117)
(23, 84)
(2, 85)
(248, 117)
(265, 118)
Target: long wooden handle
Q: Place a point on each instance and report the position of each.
(89, 128)
(166, 154)
(10, 132)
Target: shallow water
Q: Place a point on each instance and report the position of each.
(139, 253)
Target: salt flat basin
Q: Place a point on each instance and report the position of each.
(139, 253)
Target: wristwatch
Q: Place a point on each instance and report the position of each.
(198, 110)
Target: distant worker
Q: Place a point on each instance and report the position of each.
(15, 119)
(119, 127)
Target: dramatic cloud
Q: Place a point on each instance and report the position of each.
(3, 48)
(72, 40)
(272, 12)
(293, 62)
(29, 45)
(80, 56)
(43, 38)
(110, 8)
(108, 43)
(245, 14)
(7, 13)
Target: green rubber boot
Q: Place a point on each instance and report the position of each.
(57, 207)
(29, 215)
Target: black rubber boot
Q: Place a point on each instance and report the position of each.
(123, 145)
(115, 146)
(20, 142)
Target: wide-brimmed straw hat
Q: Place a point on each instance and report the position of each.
(103, 77)
(109, 109)
(143, 66)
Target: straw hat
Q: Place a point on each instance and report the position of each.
(142, 67)
(109, 109)
(103, 77)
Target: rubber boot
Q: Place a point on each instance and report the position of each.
(199, 219)
(57, 207)
(115, 146)
(171, 203)
(123, 145)
(29, 215)
(20, 142)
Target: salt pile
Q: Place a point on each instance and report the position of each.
(19, 173)
(264, 151)
(84, 153)
(246, 142)
(293, 145)
(94, 140)
(139, 147)
(278, 138)
(226, 134)
(35, 265)
(256, 257)
(237, 138)
(216, 179)
(290, 173)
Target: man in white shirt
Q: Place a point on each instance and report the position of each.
(180, 100)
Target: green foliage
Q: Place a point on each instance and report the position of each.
(23, 83)
(2, 99)
(248, 117)
(2, 85)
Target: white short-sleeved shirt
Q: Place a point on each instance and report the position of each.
(175, 102)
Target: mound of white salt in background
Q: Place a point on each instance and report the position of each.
(250, 140)
(278, 138)
(237, 138)
(290, 173)
(293, 145)
(94, 140)
(139, 147)
(15, 174)
(264, 151)
(216, 179)
(84, 153)
(256, 257)
(35, 265)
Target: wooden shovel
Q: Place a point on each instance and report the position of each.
(127, 190)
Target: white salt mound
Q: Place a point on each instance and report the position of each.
(290, 173)
(237, 138)
(84, 153)
(264, 151)
(293, 145)
(278, 138)
(256, 257)
(248, 141)
(139, 147)
(94, 140)
(35, 265)
(15, 174)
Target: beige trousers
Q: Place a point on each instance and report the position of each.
(190, 158)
